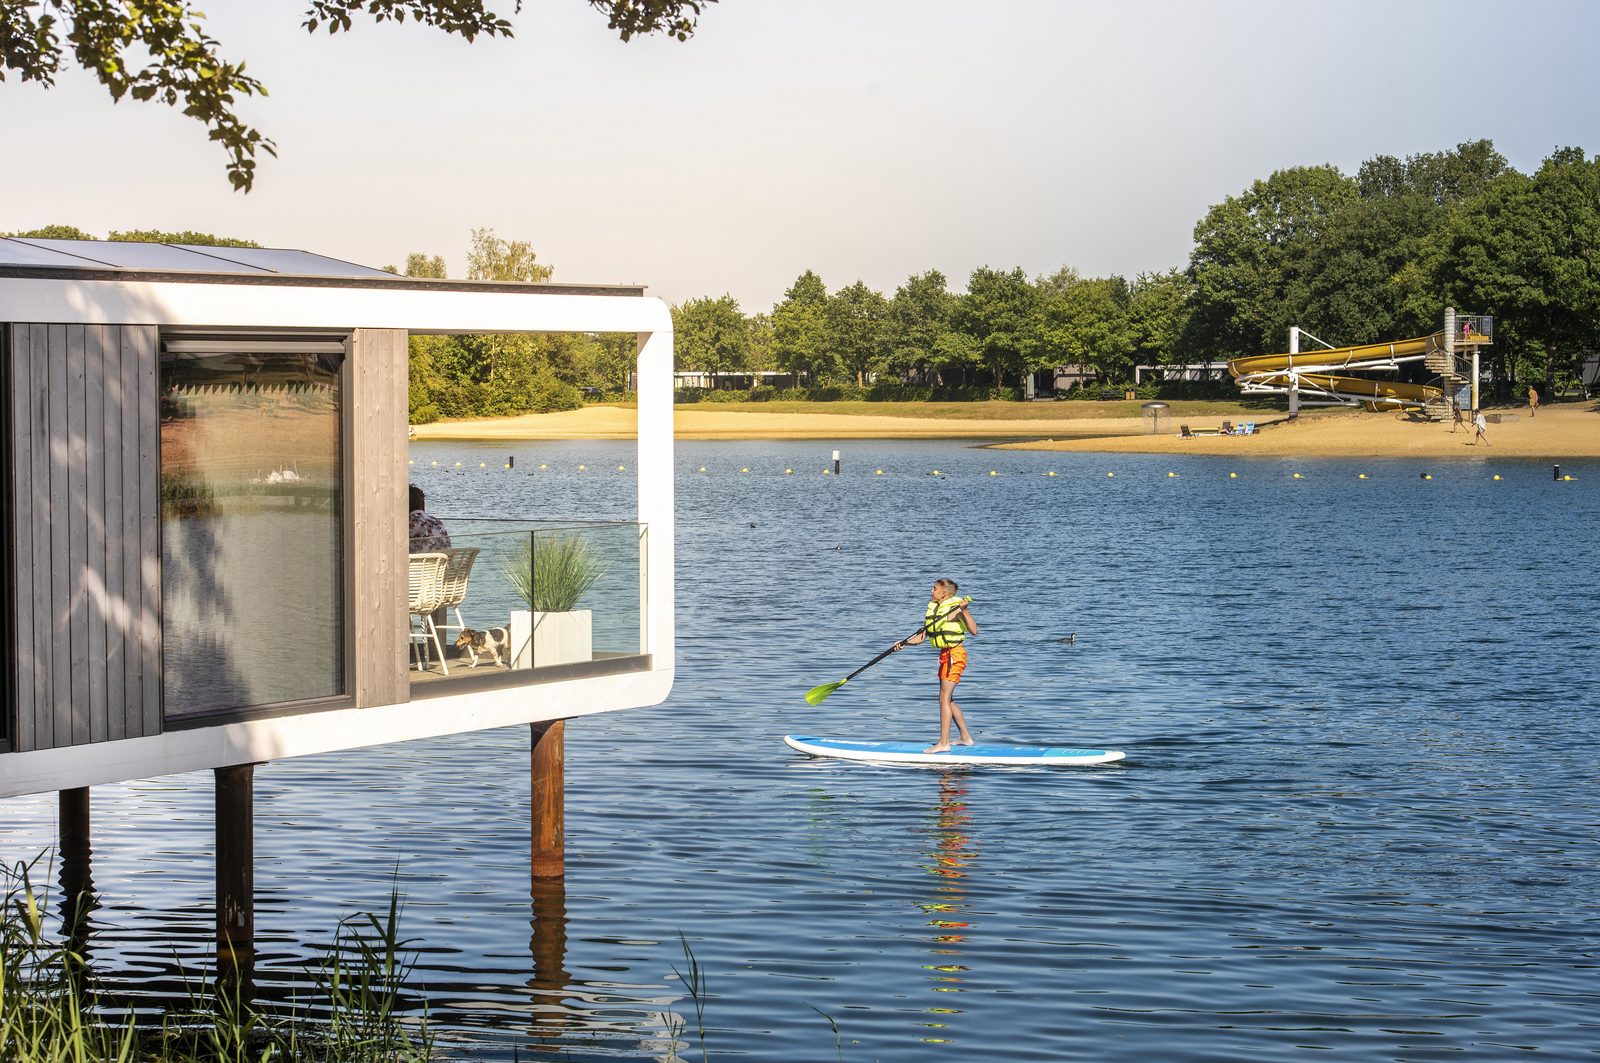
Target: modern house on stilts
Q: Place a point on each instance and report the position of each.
(206, 561)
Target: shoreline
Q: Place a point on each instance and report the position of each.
(1567, 430)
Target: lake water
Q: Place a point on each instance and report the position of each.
(1359, 813)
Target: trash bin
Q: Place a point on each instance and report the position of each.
(1154, 413)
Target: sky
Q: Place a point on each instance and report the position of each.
(865, 139)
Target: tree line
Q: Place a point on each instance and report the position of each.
(1360, 259)
(1353, 259)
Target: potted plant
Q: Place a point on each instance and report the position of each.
(552, 574)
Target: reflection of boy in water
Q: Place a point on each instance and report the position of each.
(947, 623)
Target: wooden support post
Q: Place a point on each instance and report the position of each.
(549, 804)
(236, 918)
(77, 883)
(75, 825)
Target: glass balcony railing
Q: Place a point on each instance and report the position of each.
(518, 596)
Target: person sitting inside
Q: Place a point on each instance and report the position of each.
(427, 531)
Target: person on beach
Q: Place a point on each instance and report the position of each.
(947, 623)
(1533, 402)
(1481, 425)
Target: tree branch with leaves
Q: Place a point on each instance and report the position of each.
(159, 50)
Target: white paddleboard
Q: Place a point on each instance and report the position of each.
(981, 753)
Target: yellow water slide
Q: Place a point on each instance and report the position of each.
(1320, 378)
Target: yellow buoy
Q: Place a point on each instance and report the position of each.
(788, 472)
(1569, 478)
(1361, 476)
(1052, 472)
(993, 473)
(622, 468)
(507, 465)
(583, 468)
(483, 465)
(458, 465)
(934, 473)
(1110, 474)
(1172, 476)
(877, 472)
(1297, 476)
(702, 468)
(1497, 476)
(546, 467)
(412, 461)
(745, 469)
(1427, 476)
(1233, 476)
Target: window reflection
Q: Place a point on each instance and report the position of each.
(250, 526)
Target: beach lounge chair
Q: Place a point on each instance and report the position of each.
(1184, 433)
(1227, 428)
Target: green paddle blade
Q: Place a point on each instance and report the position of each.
(816, 695)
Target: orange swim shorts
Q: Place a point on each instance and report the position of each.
(952, 662)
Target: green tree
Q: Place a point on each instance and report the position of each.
(799, 330)
(616, 360)
(1251, 264)
(761, 357)
(999, 316)
(1444, 177)
(188, 236)
(493, 259)
(710, 336)
(135, 236)
(1089, 324)
(421, 265)
(1528, 251)
(857, 326)
(160, 51)
(54, 232)
(919, 317)
(1159, 306)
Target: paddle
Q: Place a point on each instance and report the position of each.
(817, 695)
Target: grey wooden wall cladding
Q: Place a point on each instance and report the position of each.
(86, 486)
(378, 419)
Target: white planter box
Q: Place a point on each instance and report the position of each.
(539, 640)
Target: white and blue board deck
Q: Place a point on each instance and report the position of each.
(980, 753)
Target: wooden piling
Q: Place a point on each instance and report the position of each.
(235, 822)
(74, 825)
(77, 883)
(547, 777)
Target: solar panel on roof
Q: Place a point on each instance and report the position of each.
(134, 255)
(23, 253)
(282, 260)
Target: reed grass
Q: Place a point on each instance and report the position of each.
(553, 573)
(52, 1011)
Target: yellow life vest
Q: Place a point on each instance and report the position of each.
(942, 624)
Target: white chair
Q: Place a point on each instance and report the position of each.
(427, 595)
(455, 588)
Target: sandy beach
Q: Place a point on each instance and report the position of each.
(1570, 430)
(1567, 430)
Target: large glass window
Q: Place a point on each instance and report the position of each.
(251, 534)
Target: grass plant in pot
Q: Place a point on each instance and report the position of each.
(552, 573)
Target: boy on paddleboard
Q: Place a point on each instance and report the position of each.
(947, 623)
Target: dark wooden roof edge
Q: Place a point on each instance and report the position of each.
(290, 280)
